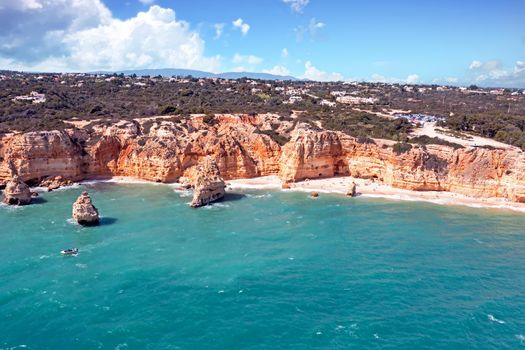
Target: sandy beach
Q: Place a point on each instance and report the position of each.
(374, 189)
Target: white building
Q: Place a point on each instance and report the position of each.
(328, 103)
(293, 99)
(354, 100)
(33, 97)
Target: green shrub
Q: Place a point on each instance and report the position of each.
(401, 147)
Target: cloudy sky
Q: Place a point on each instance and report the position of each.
(433, 41)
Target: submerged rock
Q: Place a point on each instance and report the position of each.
(17, 192)
(314, 194)
(84, 212)
(208, 184)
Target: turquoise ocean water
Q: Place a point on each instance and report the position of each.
(263, 270)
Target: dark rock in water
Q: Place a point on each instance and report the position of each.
(314, 194)
(17, 192)
(84, 212)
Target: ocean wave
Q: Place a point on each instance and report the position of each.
(184, 193)
(122, 180)
(216, 205)
(443, 201)
(72, 221)
(40, 189)
(246, 186)
(521, 338)
(494, 319)
(266, 195)
(21, 346)
(8, 207)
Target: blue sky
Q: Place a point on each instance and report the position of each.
(456, 42)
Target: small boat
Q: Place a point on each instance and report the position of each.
(72, 251)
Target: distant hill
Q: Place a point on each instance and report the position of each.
(169, 72)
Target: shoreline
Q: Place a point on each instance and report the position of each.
(334, 185)
(374, 189)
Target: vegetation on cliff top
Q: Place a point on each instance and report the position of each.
(110, 98)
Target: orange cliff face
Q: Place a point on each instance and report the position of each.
(473, 172)
(164, 150)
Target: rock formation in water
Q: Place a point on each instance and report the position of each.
(84, 212)
(17, 192)
(166, 150)
(55, 182)
(208, 185)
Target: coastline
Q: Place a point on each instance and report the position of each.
(371, 189)
(334, 185)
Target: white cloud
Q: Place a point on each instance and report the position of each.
(91, 39)
(240, 69)
(312, 29)
(284, 53)
(33, 29)
(240, 24)
(519, 67)
(146, 2)
(314, 25)
(249, 59)
(297, 5)
(412, 79)
(312, 73)
(475, 65)
(451, 80)
(219, 29)
(277, 70)
(493, 73)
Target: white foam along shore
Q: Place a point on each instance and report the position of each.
(375, 189)
(341, 185)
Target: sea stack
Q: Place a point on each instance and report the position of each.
(84, 212)
(16, 192)
(208, 185)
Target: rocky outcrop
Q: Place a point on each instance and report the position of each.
(165, 150)
(17, 192)
(55, 182)
(208, 185)
(84, 212)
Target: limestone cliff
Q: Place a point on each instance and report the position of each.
(475, 172)
(165, 149)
